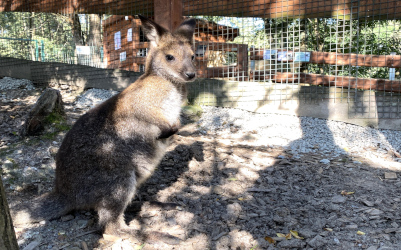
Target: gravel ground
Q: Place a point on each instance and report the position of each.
(303, 135)
(243, 180)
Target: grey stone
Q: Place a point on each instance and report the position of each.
(338, 199)
(292, 243)
(33, 245)
(66, 218)
(317, 242)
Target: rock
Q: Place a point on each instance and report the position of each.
(50, 102)
(33, 245)
(352, 226)
(306, 233)
(53, 150)
(368, 203)
(218, 190)
(372, 248)
(390, 230)
(336, 241)
(325, 161)
(82, 223)
(374, 211)
(64, 86)
(317, 242)
(8, 164)
(390, 175)
(293, 243)
(67, 217)
(338, 199)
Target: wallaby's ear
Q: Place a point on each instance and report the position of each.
(187, 29)
(152, 30)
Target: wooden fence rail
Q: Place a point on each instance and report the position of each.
(340, 59)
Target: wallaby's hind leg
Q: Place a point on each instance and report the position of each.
(111, 221)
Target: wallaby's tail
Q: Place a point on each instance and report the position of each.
(46, 207)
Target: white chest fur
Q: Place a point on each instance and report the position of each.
(172, 106)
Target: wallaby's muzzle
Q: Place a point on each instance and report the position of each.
(190, 76)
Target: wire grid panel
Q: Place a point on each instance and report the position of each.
(337, 52)
(87, 36)
(273, 51)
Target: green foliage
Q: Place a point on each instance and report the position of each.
(59, 124)
(58, 121)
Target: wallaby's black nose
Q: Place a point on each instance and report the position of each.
(190, 75)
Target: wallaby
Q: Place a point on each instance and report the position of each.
(117, 145)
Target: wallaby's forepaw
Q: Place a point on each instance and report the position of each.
(167, 133)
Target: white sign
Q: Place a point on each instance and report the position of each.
(123, 56)
(301, 56)
(83, 50)
(117, 40)
(269, 54)
(392, 70)
(129, 35)
(284, 56)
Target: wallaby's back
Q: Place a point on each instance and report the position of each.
(116, 146)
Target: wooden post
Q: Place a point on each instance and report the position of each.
(168, 13)
(7, 234)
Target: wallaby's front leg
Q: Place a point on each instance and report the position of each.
(166, 131)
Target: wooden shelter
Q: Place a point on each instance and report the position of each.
(126, 47)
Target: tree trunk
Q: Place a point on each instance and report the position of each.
(95, 39)
(76, 30)
(7, 235)
(77, 33)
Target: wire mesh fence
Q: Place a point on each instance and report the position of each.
(276, 51)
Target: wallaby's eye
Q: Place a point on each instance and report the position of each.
(170, 58)
(193, 57)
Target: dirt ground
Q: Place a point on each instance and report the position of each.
(233, 194)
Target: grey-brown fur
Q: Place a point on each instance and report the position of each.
(116, 146)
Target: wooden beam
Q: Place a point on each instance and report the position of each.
(339, 59)
(168, 13)
(331, 81)
(123, 7)
(339, 9)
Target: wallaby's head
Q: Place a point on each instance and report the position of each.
(171, 55)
